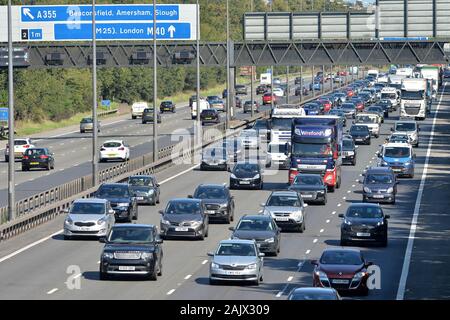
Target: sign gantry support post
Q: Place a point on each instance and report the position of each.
(11, 156)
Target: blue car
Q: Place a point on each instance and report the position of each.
(400, 157)
(312, 109)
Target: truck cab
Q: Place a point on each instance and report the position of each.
(281, 120)
(414, 101)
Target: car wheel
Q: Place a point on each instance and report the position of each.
(25, 169)
(135, 217)
(324, 202)
(384, 243)
(6, 158)
(129, 219)
(153, 276)
(261, 186)
(343, 242)
(67, 237)
(369, 142)
(48, 166)
(331, 189)
(354, 161)
(212, 282)
(207, 232)
(256, 282)
(393, 200)
(104, 276)
(411, 175)
(82, 131)
(133, 117)
(301, 227)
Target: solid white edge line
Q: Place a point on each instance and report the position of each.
(412, 232)
(179, 174)
(9, 256)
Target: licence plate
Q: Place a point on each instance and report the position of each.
(244, 182)
(378, 196)
(339, 281)
(181, 229)
(112, 154)
(307, 196)
(358, 139)
(213, 164)
(232, 273)
(34, 163)
(363, 234)
(281, 218)
(140, 198)
(127, 268)
(210, 211)
(208, 118)
(397, 170)
(84, 229)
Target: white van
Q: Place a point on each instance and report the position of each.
(276, 155)
(203, 106)
(391, 94)
(137, 109)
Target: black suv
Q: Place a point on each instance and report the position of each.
(379, 185)
(364, 222)
(261, 89)
(218, 201)
(167, 106)
(349, 150)
(209, 116)
(132, 249)
(360, 134)
(147, 116)
(246, 175)
(122, 198)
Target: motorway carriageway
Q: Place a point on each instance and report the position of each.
(73, 151)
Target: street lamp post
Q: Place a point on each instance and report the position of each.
(198, 64)
(155, 89)
(11, 184)
(227, 115)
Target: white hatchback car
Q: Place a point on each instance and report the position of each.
(20, 146)
(114, 150)
(278, 92)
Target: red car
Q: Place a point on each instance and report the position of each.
(267, 98)
(343, 73)
(342, 269)
(327, 105)
(350, 93)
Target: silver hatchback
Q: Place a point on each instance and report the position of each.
(89, 218)
(236, 260)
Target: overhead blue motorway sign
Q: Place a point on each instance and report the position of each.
(124, 31)
(113, 22)
(4, 114)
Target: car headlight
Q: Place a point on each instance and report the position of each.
(69, 221)
(124, 204)
(380, 223)
(195, 223)
(350, 153)
(215, 265)
(329, 178)
(347, 222)
(366, 189)
(108, 255)
(252, 266)
(390, 190)
(321, 192)
(256, 177)
(233, 176)
(151, 192)
(165, 222)
(101, 221)
(270, 240)
(146, 255)
(322, 275)
(267, 213)
(384, 163)
(359, 275)
(407, 164)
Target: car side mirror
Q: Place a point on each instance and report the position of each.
(111, 211)
(261, 254)
(65, 210)
(305, 205)
(262, 205)
(161, 212)
(102, 240)
(231, 228)
(340, 215)
(158, 185)
(159, 241)
(397, 182)
(229, 169)
(210, 254)
(387, 216)
(190, 196)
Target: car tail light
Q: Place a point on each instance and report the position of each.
(43, 157)
(292, 174)
(25, 157)
(26, 146)
(121, 148)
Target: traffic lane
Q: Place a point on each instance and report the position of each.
(428, 276)
(282, 271)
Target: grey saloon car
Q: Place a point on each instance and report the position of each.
(89, 218)
(236, 260)
(146, 189)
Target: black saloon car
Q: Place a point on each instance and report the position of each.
(379, 185)
(40, 158)
(349, 150)
(246, 175)
(262, 229)
(147, 116)
(132, 249)
(146, 189)
(364, 222)
(122, 199)
(209, 116)
(167, 106)
(184, 218)
(311, 187)
(360, 134)
(218, 201)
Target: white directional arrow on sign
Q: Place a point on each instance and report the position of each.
(171, 30)
(27, 12)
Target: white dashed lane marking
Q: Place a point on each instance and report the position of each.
(52, 291)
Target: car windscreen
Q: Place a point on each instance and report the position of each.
(283, 201)
(131, 235)
(277, 148)
(396, 152)
(281, 123)
(312, 150)
(219, 153)
(140, 181)
(254, 225)
(246, 168)
(183, 207)
(35, 152)
(341, 258)
(348, 106)
(112, 145)
(236, 249)
(405, 126)
(379, 179)
(312, 296)
(413, 95)
(86, 120)
(260, 125)
(113, 192)
(347, 144)
(88, 208)
(308, 180)
(365, 119)
(210, 193)
(359, 129)
(375, 109)
(20, 142)
(364, 212)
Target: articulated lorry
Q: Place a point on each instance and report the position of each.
(315, 147)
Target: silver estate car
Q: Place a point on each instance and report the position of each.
(89, 218)
(236, 260)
